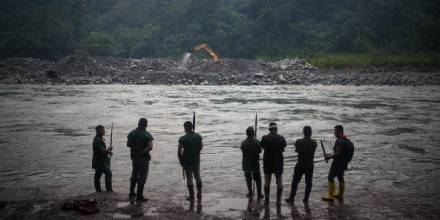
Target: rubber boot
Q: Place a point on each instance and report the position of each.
(340, 194)
(331, 192)
(191, 193)
(199, 192)
(279, 194)
(266, 196)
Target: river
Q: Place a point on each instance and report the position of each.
(46, 134)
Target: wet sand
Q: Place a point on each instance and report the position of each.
(231, 205)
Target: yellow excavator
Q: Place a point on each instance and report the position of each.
(211, 52)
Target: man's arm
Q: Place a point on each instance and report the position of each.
(284, 143)
(338, 149)
(179, 153)
(102, 147)
(149, 147)
(129, 145)
(262, 142)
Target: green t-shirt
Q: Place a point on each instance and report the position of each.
(100, 158)
(251, 150)
(137, 142)
(192, 144)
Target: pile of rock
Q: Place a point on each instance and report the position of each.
(292, 64)
(109, 70)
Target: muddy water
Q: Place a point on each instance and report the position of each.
(46, 134)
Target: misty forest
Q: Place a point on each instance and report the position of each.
(52, 29)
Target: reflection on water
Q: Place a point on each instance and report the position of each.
(46, 133)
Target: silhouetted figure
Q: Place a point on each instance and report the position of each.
(273, 161)
(101, 160)
(305, 147)
(251, 150)
(188, 153)
(140, 142)
(341, 157)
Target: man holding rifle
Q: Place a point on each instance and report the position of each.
(101, 160)
(188, 153)
(251, 150)
(343, 153)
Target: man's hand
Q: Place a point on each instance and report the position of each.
(328, 156)
(146, 150)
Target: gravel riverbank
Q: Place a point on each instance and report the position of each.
(74, 70)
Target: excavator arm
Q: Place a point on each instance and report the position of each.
(208, 50)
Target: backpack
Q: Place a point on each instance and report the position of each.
(348, 151)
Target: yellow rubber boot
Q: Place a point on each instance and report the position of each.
(331, 192)
(340, 194)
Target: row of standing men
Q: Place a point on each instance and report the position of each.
(140, 142)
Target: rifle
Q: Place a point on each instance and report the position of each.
(323, 149)
(111, 141)
(256, 123)
(111, 136)
(194, 121)
(256, 128)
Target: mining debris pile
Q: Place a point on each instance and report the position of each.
(110, 70)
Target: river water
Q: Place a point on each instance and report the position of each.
(46, 134)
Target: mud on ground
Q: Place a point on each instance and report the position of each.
(229, 205)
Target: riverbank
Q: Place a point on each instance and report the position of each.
(421, 62)
(74, 70)
(227, 205)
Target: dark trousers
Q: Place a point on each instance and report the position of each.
(139, 175)
(108, 178)
(337, 170)
(193, 172)
(297, 175)
(256, 177)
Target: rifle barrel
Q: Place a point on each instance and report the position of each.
(323, 150)
(256, 124)
(194, 121)
(111, 135)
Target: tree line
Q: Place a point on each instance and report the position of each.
(234, 28)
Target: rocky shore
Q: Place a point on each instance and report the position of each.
(112, 70)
